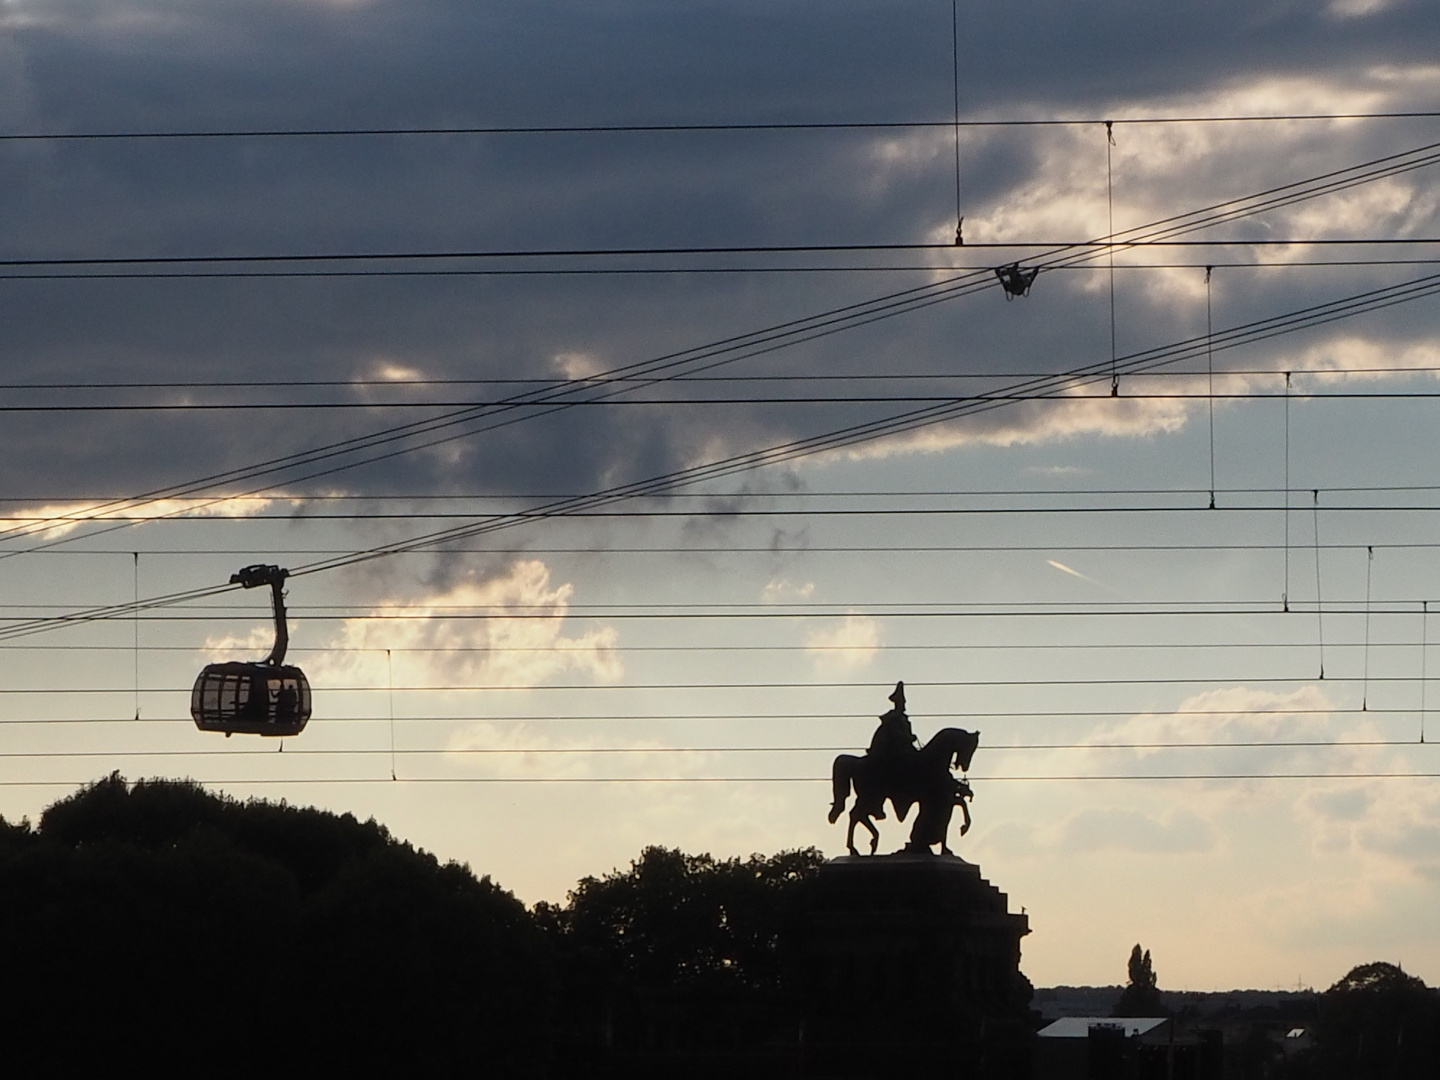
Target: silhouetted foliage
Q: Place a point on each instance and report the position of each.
(679, 951)
(675, 919)
(160, 921)
(1141, 996)
(1378, 1022)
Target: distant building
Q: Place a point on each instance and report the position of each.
(1078, 1027)
(1126, 1048)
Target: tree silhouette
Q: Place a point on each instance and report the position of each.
(159, 922)
(675, 919)
(1141, 996)
(1378, 1022)
(678, 952)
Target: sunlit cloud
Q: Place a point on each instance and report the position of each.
(577, 365)
(519, 640)
(1231, 714)
(254, 644)
(779, 590)
(844, 646)
(521, 750)
(1084, 412)
(54, 520)
(1035, 423)
(394, 371)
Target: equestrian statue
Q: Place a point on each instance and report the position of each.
(897, 768)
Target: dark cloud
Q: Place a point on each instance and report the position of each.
(171, 66)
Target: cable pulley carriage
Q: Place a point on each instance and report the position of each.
(1015, 281)
(265, 697)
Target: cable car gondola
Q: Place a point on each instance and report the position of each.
(266, 697)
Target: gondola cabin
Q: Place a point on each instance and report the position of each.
(251, 698)
(265, 697)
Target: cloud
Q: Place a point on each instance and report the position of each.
(846, 645)
(519, 640)
(780, 590)
(521, 750)
(1349, 804)
(54, 520)
(1230, 714)
(578, 365)
(98, 71)
(1356, 9)
(254, 644)
(1036, 423)
(1176, 832)
(1413, 843)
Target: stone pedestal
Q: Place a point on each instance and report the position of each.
(909, 966)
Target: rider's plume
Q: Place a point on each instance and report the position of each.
(898, 697)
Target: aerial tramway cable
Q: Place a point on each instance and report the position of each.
(1315, 315)
(793, 332)
(906, 421)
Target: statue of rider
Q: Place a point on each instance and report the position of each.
(893, 747)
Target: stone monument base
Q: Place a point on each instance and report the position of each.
(909, 966)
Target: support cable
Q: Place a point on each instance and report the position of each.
(1365, 682)
(955, 80)
(390, 676)
(1210, 372)
(136, 622)
(1319, 603)
(1285, 593)
(1110, 249)
(1424, 652)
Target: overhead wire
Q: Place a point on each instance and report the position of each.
(609, 688)
(512, 751)
(813, 780)
(753, 377)
(861, 315)
(52, 267)
(681, 127)
(767, 649)
(812, 328)
(201, 551)
(744, 717)
(858, 398)
(949, 266)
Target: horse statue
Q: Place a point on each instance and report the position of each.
(896, 770)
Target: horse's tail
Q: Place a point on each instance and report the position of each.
(840, 775)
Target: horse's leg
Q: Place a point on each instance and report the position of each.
(850, 835)
(942, 828)
(840, 782)
(866, 794)
(874, 834)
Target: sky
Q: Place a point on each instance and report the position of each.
(273, 273)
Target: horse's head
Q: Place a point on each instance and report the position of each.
(965, 749)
